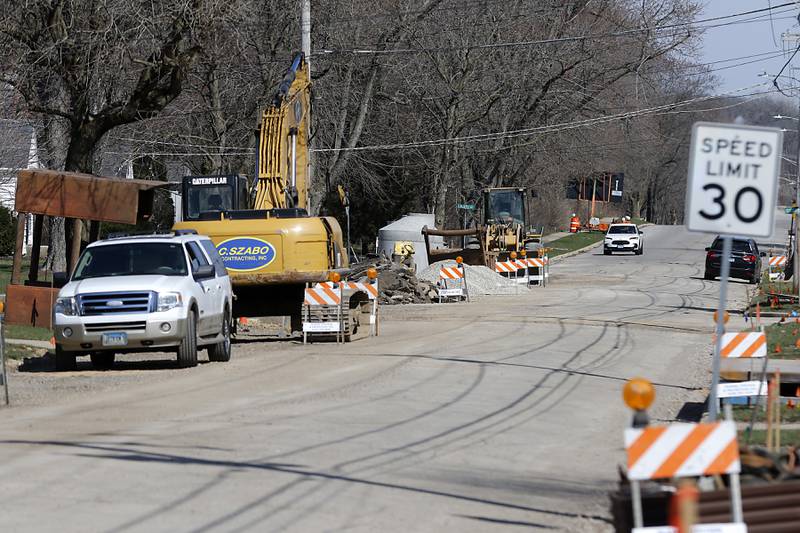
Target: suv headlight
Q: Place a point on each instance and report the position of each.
(169, 300)
(66, 306)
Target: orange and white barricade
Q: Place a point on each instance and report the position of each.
(453, 283)
(683, 450)
(744, 344)
(322, 311)
(537, 269)
(513, 269)
(775, 267)
(367, 286)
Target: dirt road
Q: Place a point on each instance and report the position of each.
(459, 417)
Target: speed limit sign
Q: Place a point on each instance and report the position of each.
(733, 179)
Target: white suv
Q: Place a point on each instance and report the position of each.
(623, 238)
(153, 293)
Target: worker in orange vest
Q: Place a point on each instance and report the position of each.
(574, 224)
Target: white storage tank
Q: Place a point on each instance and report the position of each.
(409, 229)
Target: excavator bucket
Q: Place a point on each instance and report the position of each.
(473, 254)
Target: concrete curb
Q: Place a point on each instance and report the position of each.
(567, 255)
(27, 342)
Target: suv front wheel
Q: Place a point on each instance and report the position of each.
(221, 351)
(187, 351)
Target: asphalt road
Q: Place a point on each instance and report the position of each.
(487, 416)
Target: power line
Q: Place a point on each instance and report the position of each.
(558, 40)
(539, 129)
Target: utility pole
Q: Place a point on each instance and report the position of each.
(305, 45)
(796, 262)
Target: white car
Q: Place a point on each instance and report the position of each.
(153, 293)
(623, 238)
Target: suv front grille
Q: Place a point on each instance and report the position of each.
(116, 326)
(621, 242)
(112, 303)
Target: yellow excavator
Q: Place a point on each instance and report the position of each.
(269, 244)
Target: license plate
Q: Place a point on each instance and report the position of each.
(115, 339)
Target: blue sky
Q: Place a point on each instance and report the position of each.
(746, 39)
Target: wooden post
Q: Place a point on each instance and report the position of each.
(770, 392)
(94, 230)
(16, 269)
(778, 410)
(33, 271)
(75, 245)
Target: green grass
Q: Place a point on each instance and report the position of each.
(742, 413)
(5, 272)
(27, 332)
(789, 437)
(785, 335)
(770, 299)
(574, 241)
(19, 351)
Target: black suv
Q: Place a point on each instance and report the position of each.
(745, 259)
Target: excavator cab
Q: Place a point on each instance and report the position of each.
(205, 197)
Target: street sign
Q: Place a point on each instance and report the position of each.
(733, 178)
(742, 388)
(468, 207)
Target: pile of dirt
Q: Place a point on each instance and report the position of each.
(397, 283)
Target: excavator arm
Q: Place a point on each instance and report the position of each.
(282, 166)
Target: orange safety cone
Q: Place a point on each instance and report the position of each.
(797, 344)
(790, 404)
(778, 348)
(52, 341)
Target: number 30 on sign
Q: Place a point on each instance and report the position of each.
(733, 178)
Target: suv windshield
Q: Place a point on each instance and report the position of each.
(625, 230)
(132, 259)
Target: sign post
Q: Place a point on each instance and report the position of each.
(3, 375)
(731, 190)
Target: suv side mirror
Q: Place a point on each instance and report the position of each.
(763, 254)
(708, 248)
(203, 272)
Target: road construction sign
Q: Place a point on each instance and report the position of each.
(744, 344)
(733, 179)
(682, 450)
(742, 388)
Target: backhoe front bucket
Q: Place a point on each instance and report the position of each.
(471, 256)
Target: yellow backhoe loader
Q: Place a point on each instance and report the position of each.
(503, 228)
(271, 247)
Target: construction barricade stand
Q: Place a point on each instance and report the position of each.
(319, 318)
(684, 450)
(775, 267)
(323, 314)
(453, 282)
(525, 271)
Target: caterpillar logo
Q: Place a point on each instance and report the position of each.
(245, 254)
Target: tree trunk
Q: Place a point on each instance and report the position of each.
(56, 251)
